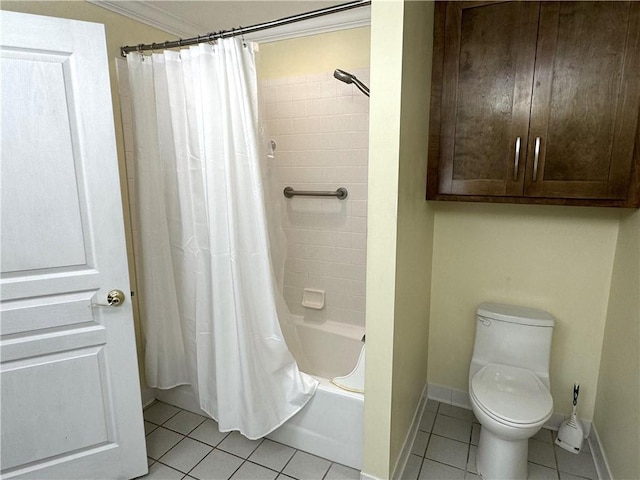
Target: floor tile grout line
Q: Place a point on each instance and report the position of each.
(448, 465)
(185, 434)
(180, 441)
(431, 433)
(327, 472)
(161, 424)
(226, 434)
(236, 470)
(175, 468)
(466, 464)
(295, 450)
(447, 438)
(215, 447)
(555, 455)
(289, 461)
(259, 465)
(172, 447)
(201, 460)
(171, 467)
(424, 456)
(205, 443)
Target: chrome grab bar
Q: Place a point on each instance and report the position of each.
(341, 193)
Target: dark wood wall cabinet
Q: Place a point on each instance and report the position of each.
(536, 102)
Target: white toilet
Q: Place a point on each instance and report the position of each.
(509, 385)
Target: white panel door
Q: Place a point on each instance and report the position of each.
(70, 397)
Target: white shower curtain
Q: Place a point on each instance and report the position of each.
(204, 269)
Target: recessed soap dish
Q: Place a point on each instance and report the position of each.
(313, 298)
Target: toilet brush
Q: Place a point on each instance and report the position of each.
(570, 433)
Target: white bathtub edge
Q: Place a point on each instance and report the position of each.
(315, 432)
(403, 458)
(338, 328)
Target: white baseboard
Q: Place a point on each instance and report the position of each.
(403, 458)
(448, 395)
(148, 396)
(366, 476)
(599, 458)
(460, 398)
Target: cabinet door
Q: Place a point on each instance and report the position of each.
(486, 96)
(585, 100)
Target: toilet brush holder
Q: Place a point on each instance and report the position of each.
(570, 434)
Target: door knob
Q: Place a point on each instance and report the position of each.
(115, 298)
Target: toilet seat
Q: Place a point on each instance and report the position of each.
(510, 395)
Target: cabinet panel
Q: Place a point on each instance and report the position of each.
(561, 80)
(486, 94)
(585, 100)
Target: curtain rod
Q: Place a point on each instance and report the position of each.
(244, 30)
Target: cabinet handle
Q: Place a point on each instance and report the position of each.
(516, 160)
(536, 157)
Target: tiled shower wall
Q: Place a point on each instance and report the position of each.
(320, 127)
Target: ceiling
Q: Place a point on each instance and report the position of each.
(189, 18)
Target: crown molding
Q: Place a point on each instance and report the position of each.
(149, 14)
(354, 18)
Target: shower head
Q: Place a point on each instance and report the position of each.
(347, 77)
(343, 76)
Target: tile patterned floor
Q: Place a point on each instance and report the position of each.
(183, 445)
(447, 441)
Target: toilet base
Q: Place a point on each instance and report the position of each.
(498, 458)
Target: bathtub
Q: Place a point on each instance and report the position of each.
(331, 424)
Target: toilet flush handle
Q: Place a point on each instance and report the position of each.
(485, 322)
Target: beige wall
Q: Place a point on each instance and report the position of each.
(617, 410)
(555, 258)
(384, 147)
(415, 227)
(400, 229)
(313, 54)
(119, 31)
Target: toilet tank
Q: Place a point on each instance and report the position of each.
(512, 335)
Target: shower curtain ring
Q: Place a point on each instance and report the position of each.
(244, 44)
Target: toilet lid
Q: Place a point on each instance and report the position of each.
(513, 394)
